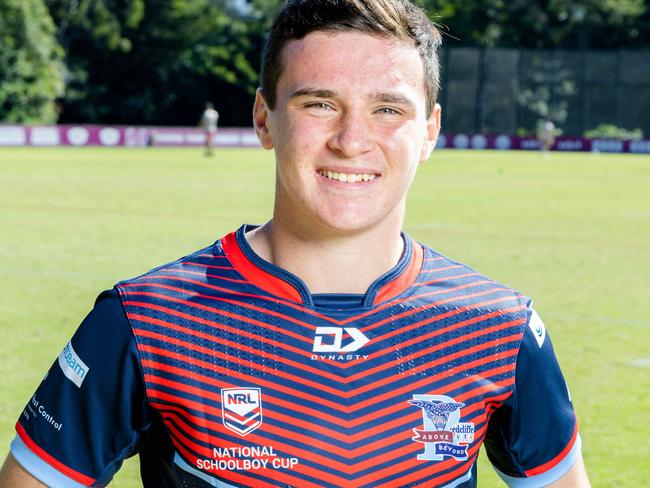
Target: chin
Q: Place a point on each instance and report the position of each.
(349, 224)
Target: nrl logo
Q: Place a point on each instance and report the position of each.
(443, 433)
(241, 409)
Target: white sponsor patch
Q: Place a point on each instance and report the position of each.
(537, 326)
(72, 365)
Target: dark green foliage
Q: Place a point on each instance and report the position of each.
(31, 69)
(154, 61)
(569, 24)
(610, 131)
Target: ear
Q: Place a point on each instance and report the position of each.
(433, 129)
(261, 120)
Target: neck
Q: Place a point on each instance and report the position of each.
(340, 263)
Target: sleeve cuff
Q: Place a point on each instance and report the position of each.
(40, 469)
(547, 477)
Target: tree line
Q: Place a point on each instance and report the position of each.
(158, 61)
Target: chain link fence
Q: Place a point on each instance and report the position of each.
(507, 91)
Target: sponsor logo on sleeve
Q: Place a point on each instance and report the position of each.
(72, 365)
(241, 409)
(35, 409)
(537, 327)
(443, 435)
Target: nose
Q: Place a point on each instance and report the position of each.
(352, 135)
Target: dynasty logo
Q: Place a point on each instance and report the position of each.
(443, 434)
(338, 344)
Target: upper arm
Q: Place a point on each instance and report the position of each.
(532, 439)
(13, 475)
(89, 412)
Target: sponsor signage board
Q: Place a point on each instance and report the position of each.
(138, 136)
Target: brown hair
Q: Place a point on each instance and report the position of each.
(399, 19)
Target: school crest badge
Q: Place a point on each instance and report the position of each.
(443, 434)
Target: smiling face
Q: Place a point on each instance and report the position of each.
(349, 129)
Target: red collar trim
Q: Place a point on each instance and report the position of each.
(256, 276)
(405, 280)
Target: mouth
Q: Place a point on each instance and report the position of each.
(346, 177)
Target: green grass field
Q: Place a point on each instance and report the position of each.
(571, 230)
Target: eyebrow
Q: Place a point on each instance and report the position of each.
(387, 97)
(313, 92)
(394, 98)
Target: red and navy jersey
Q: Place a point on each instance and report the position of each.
(221, 369)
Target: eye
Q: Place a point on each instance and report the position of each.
(319, 105)
(388, 111)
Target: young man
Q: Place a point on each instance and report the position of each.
(324, 348)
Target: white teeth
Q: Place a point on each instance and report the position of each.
(346, 177)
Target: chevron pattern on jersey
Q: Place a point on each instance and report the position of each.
(248, 401)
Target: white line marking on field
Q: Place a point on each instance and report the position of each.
(641, 362)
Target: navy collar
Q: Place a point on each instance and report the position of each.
(282, 283)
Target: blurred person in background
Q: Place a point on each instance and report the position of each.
(209, 121)
(546, 133)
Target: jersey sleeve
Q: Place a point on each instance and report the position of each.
(89, 412)
(532, 439)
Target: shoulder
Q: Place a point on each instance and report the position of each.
(472, 305)
(201, 258)
(459, 282)
(203, 272)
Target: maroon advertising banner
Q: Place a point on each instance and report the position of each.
(110, 136)
(506, 142)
